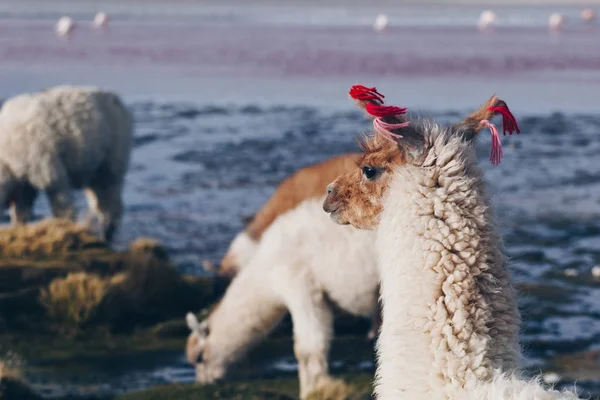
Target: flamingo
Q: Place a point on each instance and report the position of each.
(380, 23)
(64, 26)
(556, 22)
(588, 15)
(486, 19)
(100, 20)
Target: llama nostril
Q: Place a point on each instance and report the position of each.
(330, 188)
(200, 358)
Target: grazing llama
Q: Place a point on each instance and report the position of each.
(64, 138)
(450, 319)
(305, 264)
(306, 184)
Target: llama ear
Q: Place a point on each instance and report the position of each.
(412, 144)
(192, 322)
(406, 135)
(471, 126)
(480, 119)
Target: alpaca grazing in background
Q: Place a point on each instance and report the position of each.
(306, 184)
(450, 319)
(61, 139)
(305, 264)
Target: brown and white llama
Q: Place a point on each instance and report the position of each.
(450, 319)
(306, 184)
(305, 264)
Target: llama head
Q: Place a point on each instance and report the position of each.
(198, 352)
(356, 197)
(240, 252)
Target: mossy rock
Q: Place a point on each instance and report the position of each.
(142, 287)
(46, 238)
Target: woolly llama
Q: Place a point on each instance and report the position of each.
(305, 264)
(61, 139)
(450, 319)
(306, 184)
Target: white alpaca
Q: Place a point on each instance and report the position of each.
(304, 265)
(450, 320)
(65, 138)
(308, 183)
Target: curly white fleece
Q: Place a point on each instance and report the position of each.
(63, 138)
(450, 319)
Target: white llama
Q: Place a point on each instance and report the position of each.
(450, 320)
(305, 264)
(305, 184)
(60, 139)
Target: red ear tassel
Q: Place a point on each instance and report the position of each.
(383, 111)
(509, 123)
(360, 92)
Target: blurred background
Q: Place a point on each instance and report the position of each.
(230, 97)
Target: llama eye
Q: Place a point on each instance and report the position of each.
(370, 172)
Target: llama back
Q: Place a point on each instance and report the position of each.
(305, 240)
(307, 183)
(81, 127)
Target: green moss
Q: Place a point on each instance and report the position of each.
(58, 350)
(141, 286)
(360, 387)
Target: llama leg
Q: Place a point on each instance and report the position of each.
(105, 202)
(313, 329)
(21, 209)
(61, 201)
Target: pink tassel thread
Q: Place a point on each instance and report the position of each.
(385, 129)
(496, 154)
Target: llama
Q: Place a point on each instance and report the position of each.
(450, 319)
(65, 138)
(305, 264)
(306, 184)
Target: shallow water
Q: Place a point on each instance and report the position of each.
(224, 111)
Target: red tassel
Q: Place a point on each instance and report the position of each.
(383, 111)
(509, 123)
(360, 92)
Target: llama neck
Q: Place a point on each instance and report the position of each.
(449, 313)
